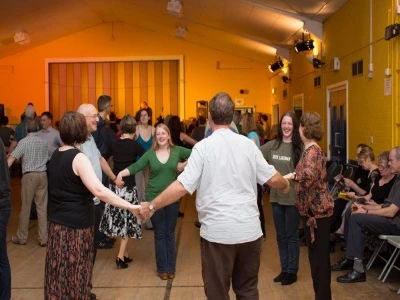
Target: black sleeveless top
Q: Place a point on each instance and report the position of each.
(70, 202)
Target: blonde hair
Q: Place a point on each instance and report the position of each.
(155, 145)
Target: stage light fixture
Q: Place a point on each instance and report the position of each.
(285, 79)
(304, 45)
(276, 65)
(317, 63)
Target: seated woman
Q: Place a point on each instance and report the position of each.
(378, 193)
(366, 159)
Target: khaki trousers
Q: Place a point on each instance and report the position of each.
(33, 188)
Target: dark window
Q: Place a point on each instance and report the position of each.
(357, 68)
(317, 81)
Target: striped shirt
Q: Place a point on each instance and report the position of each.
(225, 169)
(34, 153)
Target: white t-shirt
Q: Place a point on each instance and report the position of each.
(225, 169)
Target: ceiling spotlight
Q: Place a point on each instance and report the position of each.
(276, 65)
(180, 32)
(174, 7)
(21, 38)
(285, 79)
(317, 63)
(304, 45)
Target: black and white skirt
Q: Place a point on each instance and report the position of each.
(121, 222)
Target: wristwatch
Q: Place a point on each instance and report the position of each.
(151, 207)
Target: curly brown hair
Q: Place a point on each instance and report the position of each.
(312, 126)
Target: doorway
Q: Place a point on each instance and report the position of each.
(298, 105)
(337, 131)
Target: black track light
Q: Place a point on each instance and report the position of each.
(317, 63)
(285, 79)
(276, 65)
(304, 45)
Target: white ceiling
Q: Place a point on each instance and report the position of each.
(250, 28)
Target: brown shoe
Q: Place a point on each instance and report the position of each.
(16, 241)
(171, 275)
(163, 276)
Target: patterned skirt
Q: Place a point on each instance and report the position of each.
(69, 262)
(121, 222)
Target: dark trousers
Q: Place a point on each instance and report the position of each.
(260, 208)
(365, 222)
(286, 221)
(97, 237)
(222, 263)
(5, 271)
(318, 255)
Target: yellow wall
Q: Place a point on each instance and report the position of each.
(347, 36)
(202, 77)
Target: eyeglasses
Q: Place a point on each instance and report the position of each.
(93, 116)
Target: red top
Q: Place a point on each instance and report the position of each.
(312, 197)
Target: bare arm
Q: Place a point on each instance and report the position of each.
(10, 160)
(388, 212)
(82, 167)
(278, 182)
(351, 184)
(105, 167)
(13, 145)
(170, 195)
(187, 139)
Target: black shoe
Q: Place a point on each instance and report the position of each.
(289, 279)
(104, 245)
(109, 240)
(120, 263)
(280, 277)
(344, 264)
(332, 245)
(352, 277)
(197, 224)
(127, 259)
(92, 296)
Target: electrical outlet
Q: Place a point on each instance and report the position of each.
(371, 139)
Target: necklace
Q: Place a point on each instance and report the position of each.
(162, 158)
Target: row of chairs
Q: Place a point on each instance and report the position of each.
(334, 170)
(391, 261)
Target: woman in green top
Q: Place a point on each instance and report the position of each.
(284, 153)
(162, 159)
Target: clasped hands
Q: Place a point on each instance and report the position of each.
(141, 211)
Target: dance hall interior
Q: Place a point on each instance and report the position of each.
(336, 59)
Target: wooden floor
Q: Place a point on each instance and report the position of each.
(139, 281)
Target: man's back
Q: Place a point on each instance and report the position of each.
(227, 167)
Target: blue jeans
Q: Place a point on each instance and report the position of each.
(286, 220)
(5, 271)
(164, 222)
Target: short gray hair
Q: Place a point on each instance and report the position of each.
(221, 109)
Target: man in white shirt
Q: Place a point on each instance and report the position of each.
(225, 169)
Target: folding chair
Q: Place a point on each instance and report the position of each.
(395, 241)
(383, 241)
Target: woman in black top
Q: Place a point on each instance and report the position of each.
(72, 184)
(117, 221)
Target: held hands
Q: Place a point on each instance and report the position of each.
(119, 182)
(135, 210)
(289, 176)
(144, 211)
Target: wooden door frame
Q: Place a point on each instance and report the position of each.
(343, 85)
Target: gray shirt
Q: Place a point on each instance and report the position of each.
(282, 160)
(52, 137)
(90, 149)
(394, 197)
